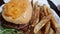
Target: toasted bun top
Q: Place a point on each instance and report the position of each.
(17, 11)
(15, 8)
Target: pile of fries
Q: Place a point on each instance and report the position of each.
(43, 21)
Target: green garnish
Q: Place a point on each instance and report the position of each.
(7, 31)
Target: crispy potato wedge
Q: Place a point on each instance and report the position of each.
(32, 3)
(36, 4)
(59, 30)
(36, 14)
(42, 12)
(47, 26)
(42, 23)
(53, 21)
(39, 32)
(45, 10)
(51, 31)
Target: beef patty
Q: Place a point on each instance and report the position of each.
(23, 27)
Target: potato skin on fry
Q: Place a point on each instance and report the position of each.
(53, 21)
(39, 32)
(36, 15)
(51, 31)
(47, 26)
(42, 23)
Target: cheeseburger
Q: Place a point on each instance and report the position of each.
(17, 14)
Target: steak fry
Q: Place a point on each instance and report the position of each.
(42, 12)
(53, 21)
(51, 31)
(47, 26)
(32, 3)
(42, 23)
(39, 32)
(35, 18)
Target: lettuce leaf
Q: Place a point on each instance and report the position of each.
(8, 31)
